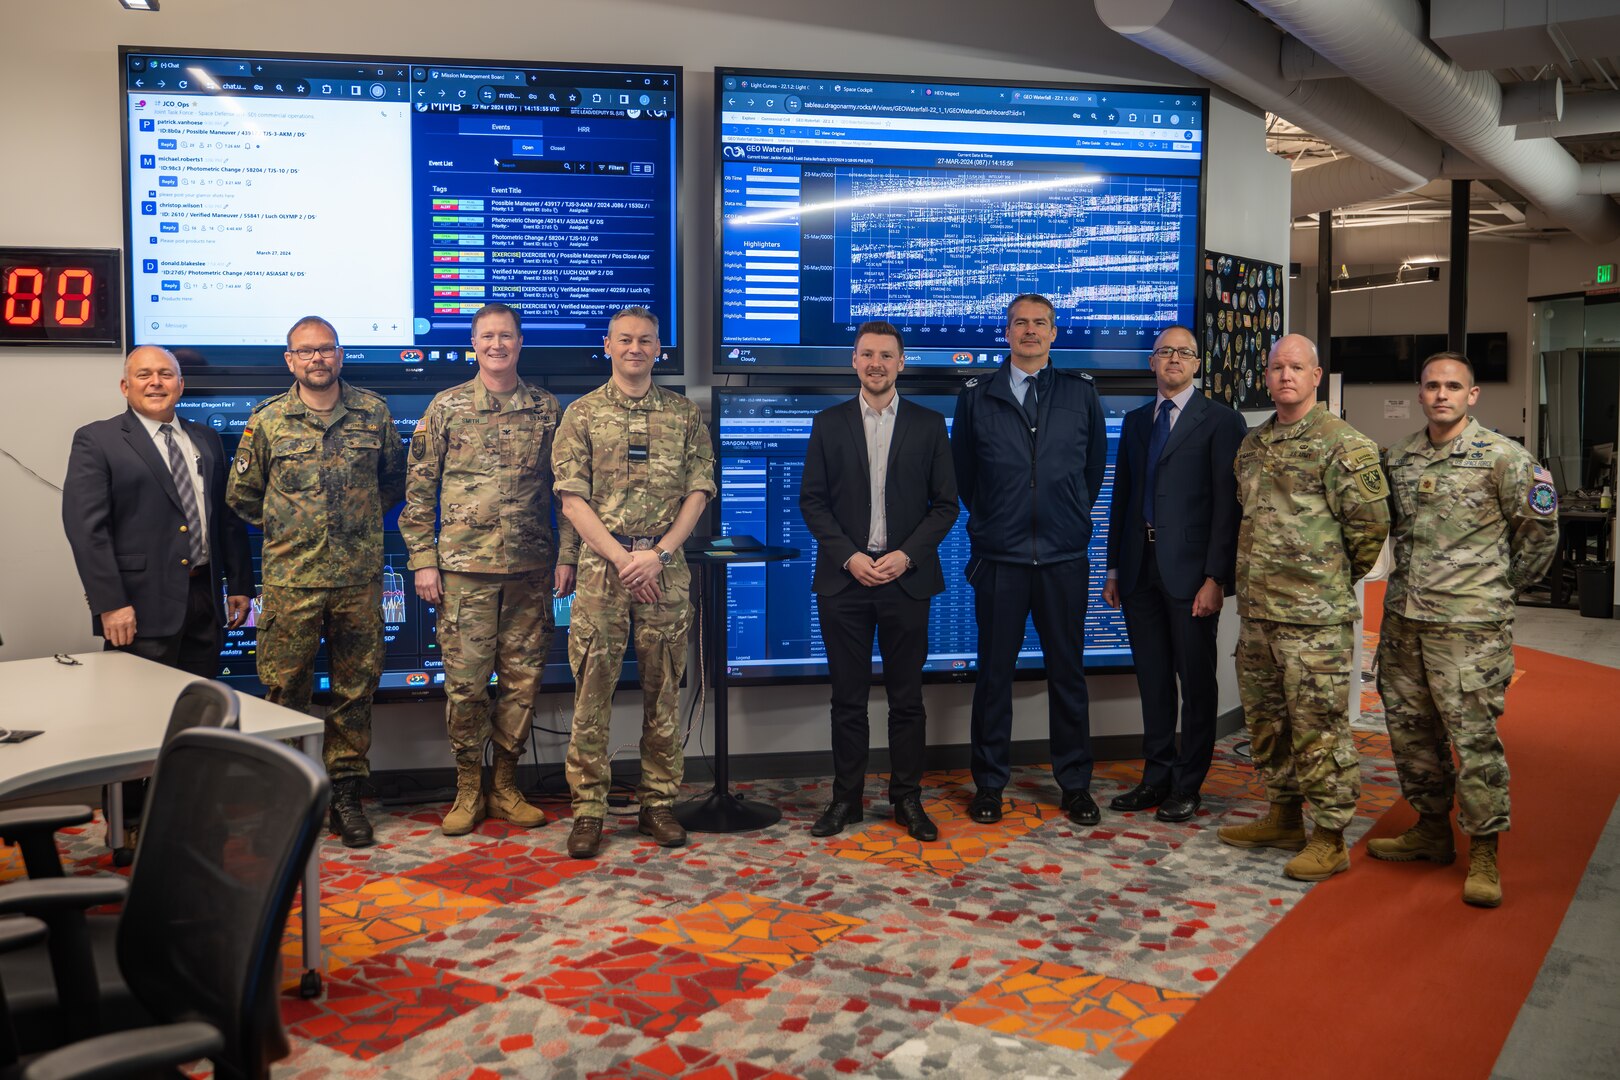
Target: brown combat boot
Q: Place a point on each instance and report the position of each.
(505, 800)
(1429, 839)
(468, 809)
(1323, 857)
(1484, 885)
(1283, 828)
(585, 839)
(659, 823)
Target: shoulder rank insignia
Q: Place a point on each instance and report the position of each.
(971, 382)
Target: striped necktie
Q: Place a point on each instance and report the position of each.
(188, 496)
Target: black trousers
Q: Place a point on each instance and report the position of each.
(848, 621)
(1171, 645)
(195, 650)
(1004, 596)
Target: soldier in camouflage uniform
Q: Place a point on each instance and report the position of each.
(481, 467)
(316, 469)
(634, 470)
(1315, 515)
(1475, 521)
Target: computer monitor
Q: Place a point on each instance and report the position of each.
(774, 634)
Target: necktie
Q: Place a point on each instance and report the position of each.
(1031, 398)
(188, 495)
(1156, 441)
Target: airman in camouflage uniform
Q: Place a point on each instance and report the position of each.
(1475, 522)
(316, 469)
(634, 469)
(480, 465)
(1315, 515)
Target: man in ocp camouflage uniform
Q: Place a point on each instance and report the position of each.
(316, 469)
(1315, 515)
(1475, 521)
(481, 466)
(634, 470)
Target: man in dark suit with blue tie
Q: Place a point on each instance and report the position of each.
(879, 495)
(144, 510)
(1172, 545)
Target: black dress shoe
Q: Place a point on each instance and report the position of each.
(1140, 797)
(835, 817)
(1180, 807)
(986, 806)
(1080, 808)
(909, 812)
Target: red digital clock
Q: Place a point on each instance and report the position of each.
(60, 296)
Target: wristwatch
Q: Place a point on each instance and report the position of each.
(664, 557)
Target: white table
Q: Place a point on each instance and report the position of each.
(102, 722)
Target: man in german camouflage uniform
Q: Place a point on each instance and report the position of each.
(316, 469)
(634, 470)
(1475, 521)
(1315, 514)
(481, 466)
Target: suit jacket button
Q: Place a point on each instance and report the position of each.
(182, 528)
(185, 562)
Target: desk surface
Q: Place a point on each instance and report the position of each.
(103, 719)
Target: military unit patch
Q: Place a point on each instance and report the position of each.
(1543, 498)
(244, 458)
(419, 447)
(1372, 482)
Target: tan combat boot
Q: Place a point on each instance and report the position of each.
(1323, 857)
(1283, 828)
(1484, 885)
(505, 800)
(1429, 839)
(468, 809)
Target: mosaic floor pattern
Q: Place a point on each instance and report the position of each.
(1026, 948)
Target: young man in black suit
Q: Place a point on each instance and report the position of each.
(144, 510)
(879, 495)
(1172, 544)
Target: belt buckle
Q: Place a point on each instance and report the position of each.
(1151, 537)
(642, 543)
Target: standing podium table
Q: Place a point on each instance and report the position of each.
(721, 811)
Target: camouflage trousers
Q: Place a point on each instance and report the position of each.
(1294, 682)
(1444, 686)
(291, 624)
(500, 624)
(601, 623)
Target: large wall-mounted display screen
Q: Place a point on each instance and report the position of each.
(844, 198)
(773, 629)
(412, 667)
(394, 196)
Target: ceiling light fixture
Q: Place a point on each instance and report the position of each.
(1405, 276)
(139, 5)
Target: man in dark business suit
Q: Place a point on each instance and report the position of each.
(144, 510)
(1172, 543)
(878, 494)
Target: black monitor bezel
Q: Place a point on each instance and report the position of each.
(920, 384)
(530, 365)
(717, 363)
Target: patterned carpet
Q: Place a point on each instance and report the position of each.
(1025, 948)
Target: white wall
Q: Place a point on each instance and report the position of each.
(62, 186)
(1496, 292)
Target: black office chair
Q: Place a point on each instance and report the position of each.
(204, 703)
(232, 827)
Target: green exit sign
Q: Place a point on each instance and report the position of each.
(1605, 274)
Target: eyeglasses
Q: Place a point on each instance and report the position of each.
(326, 352)
(1165, 352)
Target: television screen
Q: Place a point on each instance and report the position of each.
(930, 205)
(412, 667)
(771, 612)
(394, 196)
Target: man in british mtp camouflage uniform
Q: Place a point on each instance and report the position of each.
(1475, 521)
(316, 469)
(480, 464)
(1315, 514)
(634, 470)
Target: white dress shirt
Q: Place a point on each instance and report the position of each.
(879, 425)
